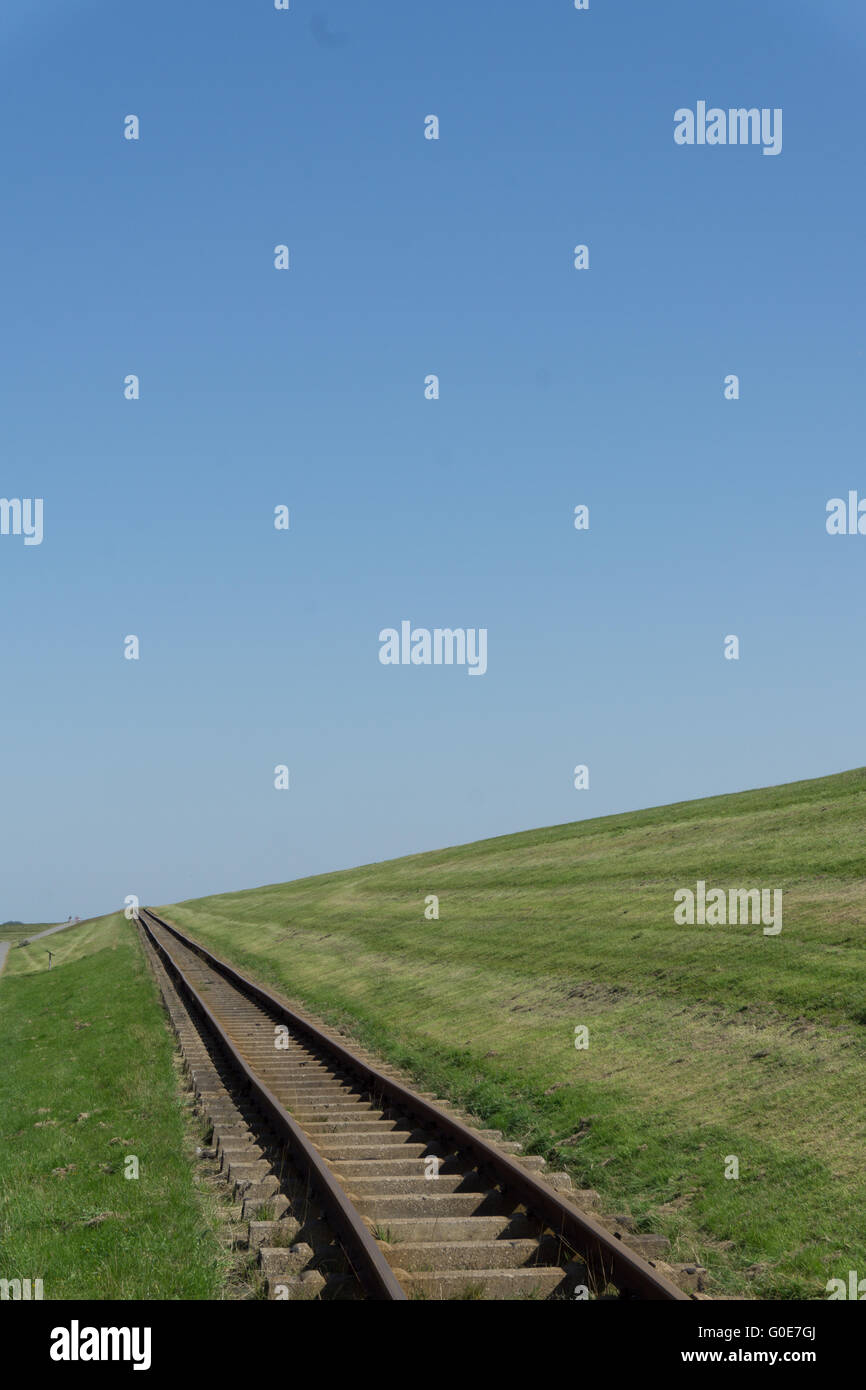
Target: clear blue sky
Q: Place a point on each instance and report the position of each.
(306, 387)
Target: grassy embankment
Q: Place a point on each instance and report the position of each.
(88, 1080)
(704, 1042)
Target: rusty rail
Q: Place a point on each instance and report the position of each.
(607, 1259)
(370, 1265)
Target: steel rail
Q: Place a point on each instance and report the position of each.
(369, 1263)
(607, 1259)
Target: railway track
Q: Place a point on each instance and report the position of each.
(422, 1205)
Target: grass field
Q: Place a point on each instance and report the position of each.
(704, 1042)
(17, 931)
(87, 1081)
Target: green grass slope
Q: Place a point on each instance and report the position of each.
(87, 1080)
(704, 1042)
